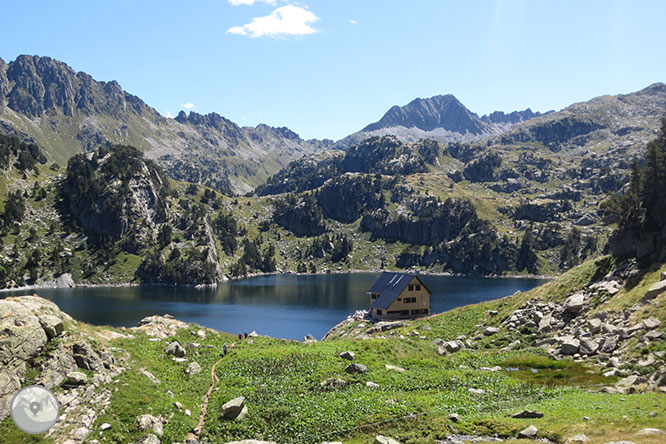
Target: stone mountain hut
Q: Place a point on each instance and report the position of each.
(399, 296)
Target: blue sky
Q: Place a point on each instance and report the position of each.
(326, 68)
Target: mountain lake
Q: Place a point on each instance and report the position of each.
(283, 305)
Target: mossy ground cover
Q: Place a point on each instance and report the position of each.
(281, 381)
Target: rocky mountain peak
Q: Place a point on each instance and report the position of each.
(37, 85)
(282, 131)
(443, 111)
(658, 88)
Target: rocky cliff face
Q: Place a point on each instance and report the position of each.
(109, 197)
(512, 118)
(71, 112)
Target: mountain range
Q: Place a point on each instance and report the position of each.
(66, 112)
(501, 193)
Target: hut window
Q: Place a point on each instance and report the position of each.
(417, 287)
(411, 288)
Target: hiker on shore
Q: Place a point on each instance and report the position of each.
(225, 348)
(240, 336)
(245, 335)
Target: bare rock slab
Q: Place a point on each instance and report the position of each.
(655, 290)
(529, 432)
(380, 439)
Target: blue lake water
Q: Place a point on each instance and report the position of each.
(284, 306)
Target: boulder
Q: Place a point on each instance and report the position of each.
(64, 281)
(651, 323)
(58, 364)
(356, 368)
(441, 350)
(393, 367)
(653, 335)
(574, 303)
(489, 331)
(454, 417)
(630, 381)
(569, 346)
(452, 346)
(105, 426)
(545, 323)
(149, 423)
(348, 355)
(594, 325)
(160, 326)
(608, 344)
(379, 439)
(527, 414)
(85, 356)
(233, 408)
(253, 334)
(529, 432)
(52, 325)
(193, 369)
(577, 439)
(334, 383)
(650, 432)
(588, 346)
(371, 384)
(309, 338)
(654, 290)
(77, 378)
(658, 379)
(175, 349)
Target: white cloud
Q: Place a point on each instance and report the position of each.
(249, 2)
(188, 105)
(286, 20)
(169, 115)
(353, 22)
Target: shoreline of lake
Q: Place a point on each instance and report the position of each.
(284, 305)
(49, 285)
